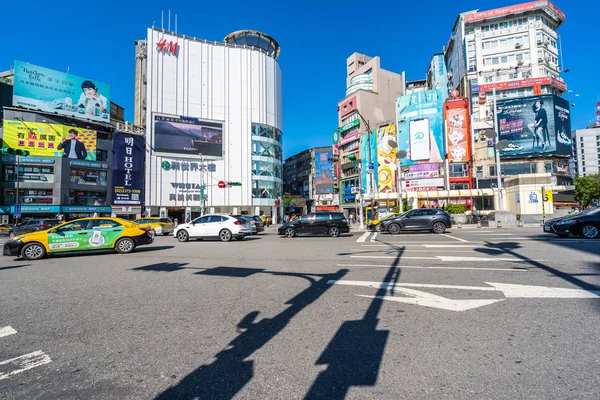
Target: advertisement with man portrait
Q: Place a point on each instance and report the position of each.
(58, 92)
(534, 126)
(128, 169)
(188, 135)
(421, 127)
(50, 140)
(323, 172)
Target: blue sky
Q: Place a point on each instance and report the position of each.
(96, 40)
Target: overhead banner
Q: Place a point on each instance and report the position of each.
(535, 126)
(128, 169)
(323, 172)
(50, 140)
(386, 159)
(421, 127)
(457, 130)
(58, 92)
(188, 135)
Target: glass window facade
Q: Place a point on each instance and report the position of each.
(267, 162)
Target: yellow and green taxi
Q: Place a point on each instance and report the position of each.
(84, 234)
(374, 224)
(160, 225)
(4, 228)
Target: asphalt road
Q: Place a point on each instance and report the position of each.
(481, 313)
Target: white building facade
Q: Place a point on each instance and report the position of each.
(587, 151)
(213, 118)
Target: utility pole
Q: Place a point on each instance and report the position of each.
(498, 170)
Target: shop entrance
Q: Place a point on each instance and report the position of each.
(176, 213)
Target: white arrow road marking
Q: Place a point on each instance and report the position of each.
(455, 238)
(537, 292)
(23, 363)
(363, 238)
(509, 290)
(432, 301)
(449, 268)
(6, 331)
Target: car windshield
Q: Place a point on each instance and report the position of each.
(165, 220)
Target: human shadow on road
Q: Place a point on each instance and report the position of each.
(509, 248)
(353, 357)
(232, 369)
(14, 266)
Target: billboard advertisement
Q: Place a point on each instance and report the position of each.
(323, 172)
(369, 181)
(458, 132)
(53, 91)
(386, 159)
(421, 127)
(128, 169)
(50, 140)
(188, 135)
(535, 126)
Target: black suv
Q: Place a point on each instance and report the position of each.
(322, 223)
(419, 219)
(32, 225)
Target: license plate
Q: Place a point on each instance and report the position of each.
(547, 229)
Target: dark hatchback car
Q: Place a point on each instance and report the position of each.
(585, 224)
(322, 223)
(255, 220)
(32, 225)
(419, 219)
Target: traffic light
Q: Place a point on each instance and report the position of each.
(14, 152)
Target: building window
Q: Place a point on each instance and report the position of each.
(82, 198)
(101, 155)
(492, 169)
(81, 176)
(34, 174)
(28, 196)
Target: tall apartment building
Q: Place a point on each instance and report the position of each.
(514, 50)
(587, 150)
(371, 92)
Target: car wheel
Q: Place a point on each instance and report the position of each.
(589, 231)
(394, 228)
(378, 228)
(33, 251)
(225, 235)
(125, 245)
(438, 227)
(334, 231)
(183, 235)
(290, 232)
(11, 235)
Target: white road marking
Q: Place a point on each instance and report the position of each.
(363, 238)
(450, 258)
(424, 245)
(6, 331)
(455, 238)
(454, 246)
(498, 234)
(433, 301)
(23, 363)
(374, 237)
(449, 268)
(509, 290)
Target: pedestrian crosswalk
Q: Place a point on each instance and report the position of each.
(19, 364)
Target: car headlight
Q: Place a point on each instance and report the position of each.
(568, 222)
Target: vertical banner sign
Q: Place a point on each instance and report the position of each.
(323, 173)
(457, 130)
(386, 159)
(128, 169)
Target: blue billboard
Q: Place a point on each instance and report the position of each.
(58, 92)
(323, 172)
(421, 127)
(128, 169)
(369, 148)
(534, 126)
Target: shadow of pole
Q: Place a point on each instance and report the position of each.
(231, 371)
(354, 355)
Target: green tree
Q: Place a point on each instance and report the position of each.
(587, 189)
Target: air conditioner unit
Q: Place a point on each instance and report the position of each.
(541, 59)
(520, 62)
(518, 45)
(540, 41)
(482, 136)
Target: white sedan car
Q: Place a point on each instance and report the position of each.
(224, 227)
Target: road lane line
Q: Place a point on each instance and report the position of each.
(450, 258)
(6, 331)
(498, 234)
(374, 237)
(363, 238)
(469, 250)
(23, 363)
(455, 238)
(449, 268)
